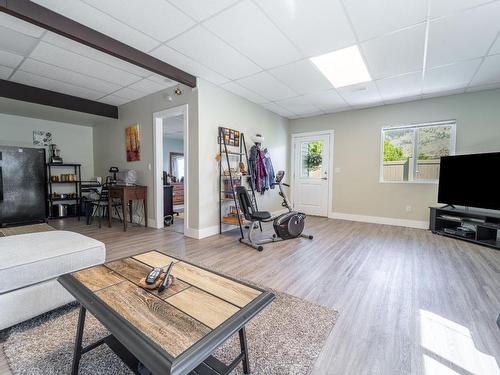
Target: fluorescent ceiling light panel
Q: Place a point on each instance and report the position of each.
(343, 67)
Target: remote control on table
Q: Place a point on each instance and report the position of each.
(164, 284)
(153, 275)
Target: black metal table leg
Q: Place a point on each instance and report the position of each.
(244, 350)
(78, 341)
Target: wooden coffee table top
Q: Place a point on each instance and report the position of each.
(199, 304)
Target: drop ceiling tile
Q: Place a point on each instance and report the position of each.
(114, 100)
(443, 93)
(404, 100)
(495, 49)
(71, 61)
(266, 85)
(302, 77)
(10, 59)
(375, 18)
(57, 86)
(204, 47)
(164, 81)
(445, 7)
(157, 18)
(489, 72)
(463, 36)
(5, 72)
(130, 94)
(315, 27)
(147, 86)
(328, 101)
(298, 105)
(243, 92)
(401, 86)
(396, 53)
(273, 107)
(201, 10)
(264, 44)
(89, 16)
(183, 62)
(53, 72)
(81, 49)
(15, 42)
(450, 77)
(363, 94)
(20, 26)
(492, 86)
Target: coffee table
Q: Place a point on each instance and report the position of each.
(171, 333)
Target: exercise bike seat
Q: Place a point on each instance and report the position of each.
(260, 215)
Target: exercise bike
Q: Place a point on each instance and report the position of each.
(286, 226)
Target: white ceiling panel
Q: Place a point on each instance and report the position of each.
(273, 107)
(201, 45)
(183, 62)
(395, 53)
(450, 77)
(129, 94)
(82, 49)
(148, 86)
(495, 49)
(374, 18)
(490, 86)
(402, 86)
(489, 72)
(327, 101)
(445, 7)
(298, 105)
(10, 60)
(58, 86)
(71, 61)
(201, 10)
(315, 27)
(267, 86)
(15, 42)
(302, 77)
(114, 100)
(5, 72)
(53, 72)
(463, 36)
(97, 20)
(264, 44)
(157, 18)
(363, 94)
(403, 100)
(244, 92)
(443, 93)
(20, 26)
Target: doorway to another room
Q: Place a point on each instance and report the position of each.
(171, 168)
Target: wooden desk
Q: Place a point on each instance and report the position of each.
(128, 194)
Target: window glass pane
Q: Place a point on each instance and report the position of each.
(432, 143)
(398, 154)
(311, 159)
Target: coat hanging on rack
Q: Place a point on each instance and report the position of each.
(260, 166)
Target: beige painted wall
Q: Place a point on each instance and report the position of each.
(218, 107)
(74, 141)
(357, 190)
(109, 142)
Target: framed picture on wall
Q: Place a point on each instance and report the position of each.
(231, 136)
(133, 143)
(41, 138)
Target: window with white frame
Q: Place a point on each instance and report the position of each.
(412, 153)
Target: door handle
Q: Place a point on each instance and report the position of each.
(324, 178)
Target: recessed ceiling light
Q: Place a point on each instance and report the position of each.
(344, 67)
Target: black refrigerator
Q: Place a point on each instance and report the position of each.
(23, 185)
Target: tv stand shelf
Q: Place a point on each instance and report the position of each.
(486, 225)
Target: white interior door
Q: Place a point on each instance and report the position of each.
(311, 169)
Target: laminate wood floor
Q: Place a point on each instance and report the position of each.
(410, 302)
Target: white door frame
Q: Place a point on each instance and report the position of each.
(158, 162)
(330, 133)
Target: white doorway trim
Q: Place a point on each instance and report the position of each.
(158, 162)
(294, 136)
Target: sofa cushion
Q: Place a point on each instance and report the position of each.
(32, 258)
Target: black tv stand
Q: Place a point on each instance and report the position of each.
(486, 225)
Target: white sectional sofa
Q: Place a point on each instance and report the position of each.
(30, 265)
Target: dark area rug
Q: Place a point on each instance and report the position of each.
(285, 338)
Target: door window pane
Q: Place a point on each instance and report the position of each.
(311, 156)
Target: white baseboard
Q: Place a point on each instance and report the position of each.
(380, 220)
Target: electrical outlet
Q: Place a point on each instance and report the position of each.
(408, 208)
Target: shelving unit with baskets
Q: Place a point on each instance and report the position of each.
(229, 210)
(74, 197)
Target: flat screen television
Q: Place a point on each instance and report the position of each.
(470, 180)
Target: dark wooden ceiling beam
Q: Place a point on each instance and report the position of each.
(59, 24)
(18, 91)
